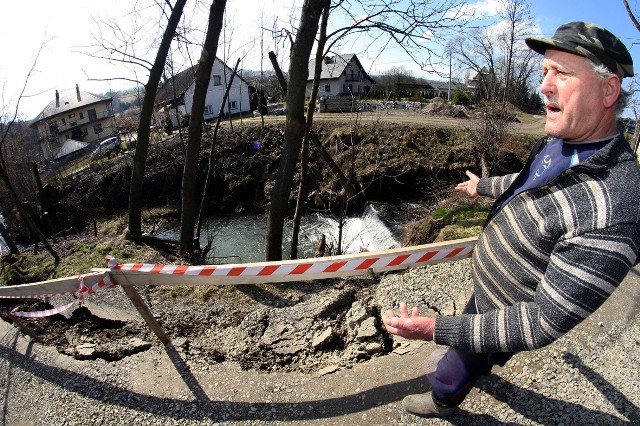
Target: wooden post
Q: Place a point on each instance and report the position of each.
(25, 328)
(146, 314)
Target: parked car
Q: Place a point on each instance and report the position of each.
(106, 148)
(272, 109)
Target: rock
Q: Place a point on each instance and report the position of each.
(180, 342)
(367, 329)
(327, 370)
(85, 350)
(138, 345)
(289, 349)
(373, 348)
(356, 315)
(73, 339)
(275, 334)
(323, 339)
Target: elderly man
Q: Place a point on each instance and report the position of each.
(562, 233)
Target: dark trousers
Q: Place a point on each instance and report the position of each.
(452, 372)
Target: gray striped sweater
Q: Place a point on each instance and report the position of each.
(552, 255)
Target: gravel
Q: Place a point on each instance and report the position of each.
(588, 377)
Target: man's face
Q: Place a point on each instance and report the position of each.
(579, 102)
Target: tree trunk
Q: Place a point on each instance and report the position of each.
(484, 165)
(354, 193)
(294, 133)
(11, 245)
(207, 185)
(278, 71)
(142, 145)
(26, 215)
(304, 166)
(203, 76)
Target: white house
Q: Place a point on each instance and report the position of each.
(177, 93)
(341, 74)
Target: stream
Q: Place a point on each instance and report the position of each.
(241, 238)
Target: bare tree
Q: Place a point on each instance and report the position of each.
(144, 127)
(209, 180)
(26, 214)
(409, 23)
(502, 68)
(518, 59)
(203, 76)
(634, 103)
(294, 133)
(303, 186)
(632, 15)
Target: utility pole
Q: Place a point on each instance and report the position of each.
(449, 94)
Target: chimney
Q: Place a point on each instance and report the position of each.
(78, 93)
(57, 99)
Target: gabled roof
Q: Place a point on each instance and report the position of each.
(175, 87)
(333, 67)
(69, 147)
(68, 101)
(443, 85)
(171, 90)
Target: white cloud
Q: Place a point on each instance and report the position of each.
(481, 9)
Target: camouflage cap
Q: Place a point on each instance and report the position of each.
(591, 41)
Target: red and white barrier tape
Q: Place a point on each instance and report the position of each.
(104, 283)
(318, 266)
(282, 271)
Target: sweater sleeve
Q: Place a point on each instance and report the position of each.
(494, 186)
(582, 273)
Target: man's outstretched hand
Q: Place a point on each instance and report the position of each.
(409, 327)
(469, 187)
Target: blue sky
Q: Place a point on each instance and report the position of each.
(67, 24)
(610, 14)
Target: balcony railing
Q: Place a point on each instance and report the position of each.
(77, 123)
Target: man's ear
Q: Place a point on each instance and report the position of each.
(611, 90)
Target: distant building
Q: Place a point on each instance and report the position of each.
(477, 81)
(341, 75)
(175, 95)
(427, 88)
(73, 116)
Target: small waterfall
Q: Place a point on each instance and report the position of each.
(364, 233)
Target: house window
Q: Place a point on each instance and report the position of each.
(217, 80)
(64, 121)
(327, 87)
(350, 88)
(92, 115)
(81, 115)
(85, 131)
(73, 123)
(234, 105)
(208, 109)
(97, 129)
(72, 115)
